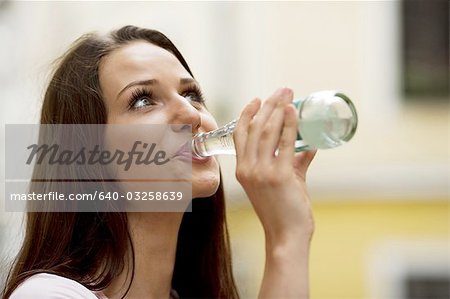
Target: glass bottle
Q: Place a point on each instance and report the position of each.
(326, 119)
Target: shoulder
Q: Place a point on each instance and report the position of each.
(51, 286)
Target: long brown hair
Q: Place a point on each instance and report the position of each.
(78, 245)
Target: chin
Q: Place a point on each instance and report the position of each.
(205, 185)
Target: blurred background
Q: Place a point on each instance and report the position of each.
(381, 202)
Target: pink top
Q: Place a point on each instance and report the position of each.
(51, 286)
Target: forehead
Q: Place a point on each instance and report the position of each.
(139, 60)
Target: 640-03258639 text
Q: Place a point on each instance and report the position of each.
(102, 196)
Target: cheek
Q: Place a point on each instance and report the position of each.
(155, 117)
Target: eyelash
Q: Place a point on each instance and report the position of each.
(138, 94)
(197, 92)
(146, 93)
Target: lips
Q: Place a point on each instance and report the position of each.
(185, 151)
(200, 159)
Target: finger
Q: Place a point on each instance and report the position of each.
(241, 129)
(257, 124)
(303, 160)
(286, 146)
(271, 134)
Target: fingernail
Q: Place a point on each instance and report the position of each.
(286, 91)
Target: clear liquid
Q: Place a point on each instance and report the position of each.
(217, 142)
(324, 133)
(223, 145)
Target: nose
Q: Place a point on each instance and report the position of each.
(185, 117)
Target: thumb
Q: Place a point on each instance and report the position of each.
(302, 161)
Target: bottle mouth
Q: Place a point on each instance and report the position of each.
(195, 143)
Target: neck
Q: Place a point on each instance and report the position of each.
(154, 237)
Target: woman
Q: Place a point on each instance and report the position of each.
(165, 255)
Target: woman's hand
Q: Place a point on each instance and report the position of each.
(275, 185)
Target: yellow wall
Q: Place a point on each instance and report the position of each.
(347, 233)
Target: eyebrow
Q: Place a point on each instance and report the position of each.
(183, 81)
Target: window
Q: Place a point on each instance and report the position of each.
(427, 287)
(425, 26)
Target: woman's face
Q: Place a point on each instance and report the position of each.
(145, 84)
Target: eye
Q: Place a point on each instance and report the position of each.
(194, 94)
(140, 99)
(142, 102)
